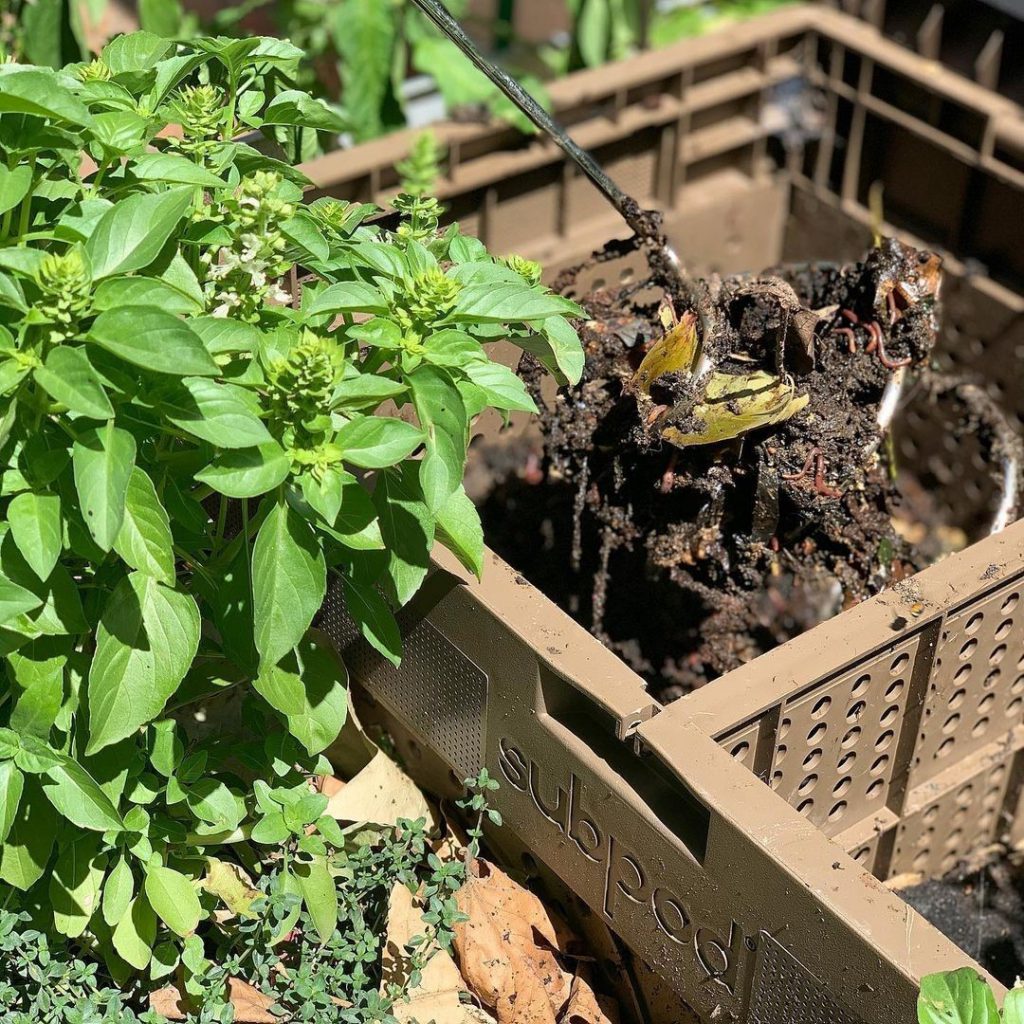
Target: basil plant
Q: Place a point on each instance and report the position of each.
(214, 397)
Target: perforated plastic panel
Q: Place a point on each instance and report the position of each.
(785, 992)
(438, 693)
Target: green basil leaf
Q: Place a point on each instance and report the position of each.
(37, 531)
(118, 892)
(75, 884)
(103, 459)
(441, 411)
(460, 531)
(145, 643)
(144, 540)
(41, 94)
(376, 622)
(79, 798)
(68, 377)
(348, 297)
(130, 235)
(407, 528)
(316, 884)
(174, 899)
(498, 303)
(153, 339)
(299, 108)
(14, 185)
(171, 167)
(12, 783)
(36, 672)
(223, 414)
(115, 292)
(956, 997)
(26, 852)
(247, 472)
(135, 933)
(309, 686)
(15, 600)
(501, 387)
(374, 442)
(289, 581)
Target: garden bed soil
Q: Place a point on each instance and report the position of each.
(689, 561)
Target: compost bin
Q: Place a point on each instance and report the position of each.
(739, 840)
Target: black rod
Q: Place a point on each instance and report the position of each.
(627, 207)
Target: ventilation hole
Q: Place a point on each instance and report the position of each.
(875, 790)
(878, 766)
(953, 839)
(1013, 707)
(850, 739)
(741, 750)
(1003, 631)
(957, 699)
(985, 823)
(837, 811)
(784, 727)
(968, 648)
(962, 673)
(780, 754)
(821, 707)
(991, 679)
(807, 785)
(856, 712)
(626, 275)
(974, 623)
(812, 759)
(945, 747)
(842, 786)
(889, 715)
(805, 807)
(899, 664)
(599, 282)
(815, 735)
(921, 861)
(884, 740)
(950, 724)
(846, 760)
(948, 863)
(863, 855)
(997, 774)
(1018, 685)
(986, 702)
(930, 815)
(894, 691)
(776, 779)
(963, 796)
(997, 655)
(861, 686)
(991, 799)
(979, 727)
(1010, 604)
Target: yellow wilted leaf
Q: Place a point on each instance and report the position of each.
(734, 404)
(675, 352)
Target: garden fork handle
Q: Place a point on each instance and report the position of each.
(628, 208)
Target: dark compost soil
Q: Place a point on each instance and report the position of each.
(688, 561)
(981, 911)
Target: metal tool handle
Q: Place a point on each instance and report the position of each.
(627, 207)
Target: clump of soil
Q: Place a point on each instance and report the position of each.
(690, 559)
(981, 911)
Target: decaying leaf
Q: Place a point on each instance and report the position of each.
(507, 950)
(676, 352)
(734, 404)
(585, 1006)
(380, 793)
(251, 1006)
(228, 882)
(437, 996)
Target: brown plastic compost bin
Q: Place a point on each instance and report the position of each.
(738, 840)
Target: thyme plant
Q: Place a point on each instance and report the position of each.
(193, 446)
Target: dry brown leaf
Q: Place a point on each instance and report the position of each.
(436, 998)
(251, 1006)
(507, 948)
(585, 1006)
(380, 794)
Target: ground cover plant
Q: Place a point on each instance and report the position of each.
(193, 448)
